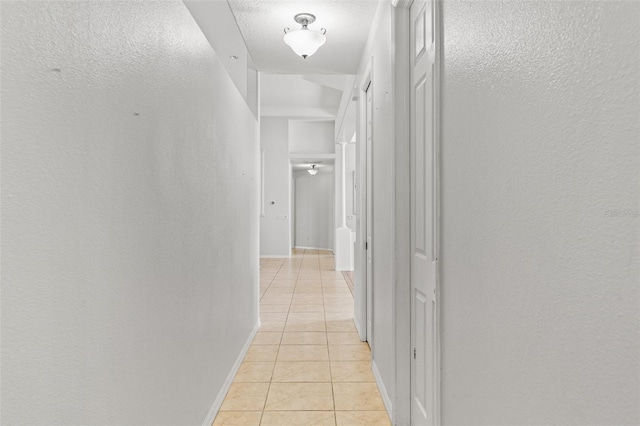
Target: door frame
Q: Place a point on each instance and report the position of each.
(401, 32)
(364, 281)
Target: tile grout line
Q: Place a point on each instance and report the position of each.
(324, 313)
(322, 293)
(279, 344)
(271, 282)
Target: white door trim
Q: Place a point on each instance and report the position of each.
(402, 272)
(402, 289)
(438, 31)
(362, 280)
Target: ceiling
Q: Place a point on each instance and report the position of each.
(347, 22)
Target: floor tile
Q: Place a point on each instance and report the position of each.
(351, 371)
(261, 353)
(362, 418)
(298, 418)
(277, 300)
(309, 275)
(255, 372)
(341, 325)
(300, 282)
(297, 308)
(332, 275)
(245, 397)
(315, 291)
(307, 359)
(298, 372)
(338, 316)
(279, 291)
(357, 396)
(299, 397)
(337, 300)
(342, 308)
(303, 353)
(238, 418)
(305, 326)
(331, 285)
(284, 307)
(305, 317)
(283, 283)
(273, 316)
(343, 338)
(306, 299)
(272, 326)
(339, 294)
(286, 275)
(359, 352)
(304, 338)
(267, 338)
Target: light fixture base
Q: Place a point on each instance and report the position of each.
(304, 19)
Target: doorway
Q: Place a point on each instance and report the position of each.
(424, 211)
(313, 204)
(364, 217)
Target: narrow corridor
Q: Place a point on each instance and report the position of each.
(306, 365)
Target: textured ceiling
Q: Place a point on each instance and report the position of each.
(347, 23)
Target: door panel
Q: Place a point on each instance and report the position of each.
(424, 316)
(369, 245)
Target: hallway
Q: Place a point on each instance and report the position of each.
(306, 365)
(475, 163)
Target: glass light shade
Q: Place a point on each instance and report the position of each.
(312, 172)
(304, 42)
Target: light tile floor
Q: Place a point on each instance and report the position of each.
(306, 365)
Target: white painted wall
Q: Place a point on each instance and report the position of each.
(275, 230)
(293, 96)
(350, 156)
(350, 169)
(379, 52)
(311, 137)
(219, 26)
(129, 215)
(540, 200)
(314, 209)
(345, 129)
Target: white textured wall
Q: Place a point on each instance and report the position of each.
(218, 24)
(379, 48)
(540, 284)
(314, 209)
(351, 167)
(311, 137)
(129, 215)
(275, 229)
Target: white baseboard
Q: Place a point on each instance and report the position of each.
(314, 248)
(217, 403)
(382, 389)
(361, 333)
(275, 256)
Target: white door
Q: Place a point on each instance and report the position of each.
(424, 325)
(368, 245)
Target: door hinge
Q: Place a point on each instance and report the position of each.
(414, 353)
(366, 245)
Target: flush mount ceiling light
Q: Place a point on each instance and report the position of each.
(312, 171)
(304, 42)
